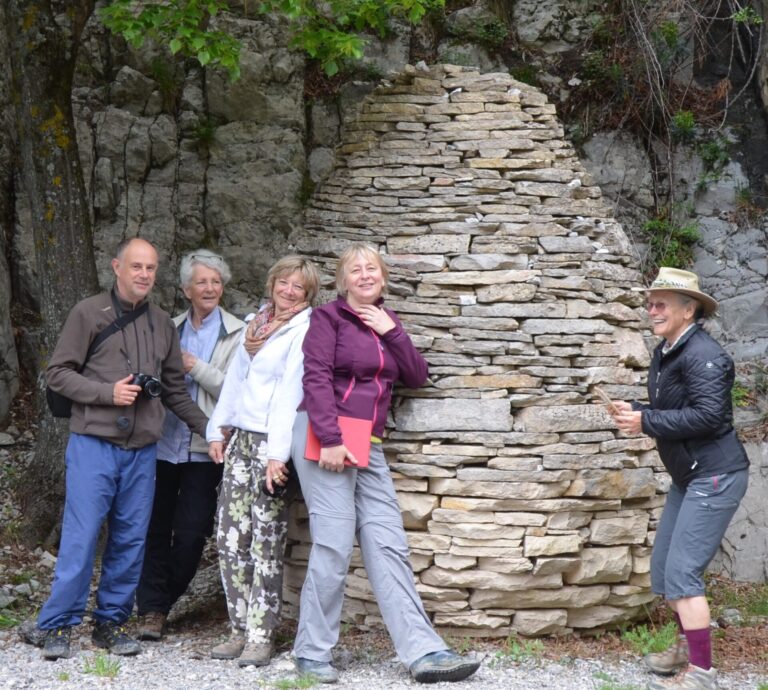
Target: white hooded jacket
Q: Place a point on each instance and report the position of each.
(262, 393)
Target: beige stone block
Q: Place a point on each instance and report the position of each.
(445, 606)
(490, 475)
(630, 483)
(490, 382)
(462, 516)
(522, 519)
(551, 545)
(473, 619)
(488, 580)
(420, 561)
(563, 418)
(476, 530)
(416, 509)
(619, 530)
(504, 565)
(506, 293)
(420, 470)
(422, 541)
(562, 597)
(599, 616)
(475, 550)
(428, 244)
(453, 562)
(569, 520)
(556, 564)
(520, 490)
(537, 622)
(630, 596)
(598, 565)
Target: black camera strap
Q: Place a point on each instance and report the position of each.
(117, 325)
(60, 405)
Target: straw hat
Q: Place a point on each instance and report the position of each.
(685, 282)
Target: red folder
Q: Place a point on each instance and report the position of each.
(356, 435)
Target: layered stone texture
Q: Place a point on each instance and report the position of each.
(525, 511)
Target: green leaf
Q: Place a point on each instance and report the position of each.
(174, 46)
(203, 57)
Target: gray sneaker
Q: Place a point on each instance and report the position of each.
(694, 678)
(31, 634)
(320, 671)
(670, 661)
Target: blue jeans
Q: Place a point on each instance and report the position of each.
(103, 481)
(691, 528)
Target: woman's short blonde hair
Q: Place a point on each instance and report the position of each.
(291, 264)
(354, 250)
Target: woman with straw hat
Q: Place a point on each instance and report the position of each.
(691, 417)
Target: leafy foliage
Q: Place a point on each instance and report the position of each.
(671, 244)
(329, 32)
(645, 640)
(182, 24)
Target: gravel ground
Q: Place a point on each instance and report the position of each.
(180, 661)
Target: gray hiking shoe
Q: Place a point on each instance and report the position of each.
(443, 666)
(231, 648)
(113, 637)
(321, 671)
(670, 661)
(57, 643)
(694, 678)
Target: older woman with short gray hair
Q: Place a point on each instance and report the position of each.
(187, 479)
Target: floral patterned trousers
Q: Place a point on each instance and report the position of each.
(251, 538)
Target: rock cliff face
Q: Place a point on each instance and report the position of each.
(525, 512)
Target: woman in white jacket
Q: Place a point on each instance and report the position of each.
(257, 405)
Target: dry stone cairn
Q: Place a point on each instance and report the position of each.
(526, 511)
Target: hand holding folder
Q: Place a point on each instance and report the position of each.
(355, 435)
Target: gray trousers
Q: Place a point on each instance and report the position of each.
(343, 505)
(692, 525)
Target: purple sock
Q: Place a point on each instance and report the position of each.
(700, 648)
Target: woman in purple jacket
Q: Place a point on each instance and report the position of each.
(354, 351)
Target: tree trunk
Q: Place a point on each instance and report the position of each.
(43, 39)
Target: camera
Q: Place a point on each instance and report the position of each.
(150, 385)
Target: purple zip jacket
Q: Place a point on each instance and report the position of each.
(349, 369)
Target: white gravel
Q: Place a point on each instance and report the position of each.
(180, 662)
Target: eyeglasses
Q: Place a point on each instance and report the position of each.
(658, 306)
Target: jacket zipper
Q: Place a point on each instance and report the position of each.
(376, 377)
(348, 392)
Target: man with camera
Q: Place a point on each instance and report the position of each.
(118, 389)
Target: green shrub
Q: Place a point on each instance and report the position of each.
(671, 244)
(645, 640)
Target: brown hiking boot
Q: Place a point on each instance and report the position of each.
(151, 626)
(255, 654)
(670, 661)
(231, 648)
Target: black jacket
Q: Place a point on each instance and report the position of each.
(690, 414)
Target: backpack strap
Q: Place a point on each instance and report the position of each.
(117, 325)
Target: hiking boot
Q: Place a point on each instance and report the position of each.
(113, 637)
(694, 678)
(670, 661)
(320, 671)
(31, 634)
(56, 645)
(231, 648)
(152, 626)
(255, 654)
(443, 666)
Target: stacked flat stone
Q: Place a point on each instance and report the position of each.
(526, 511)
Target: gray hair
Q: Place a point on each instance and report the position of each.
(203, 257)
(685, 300)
